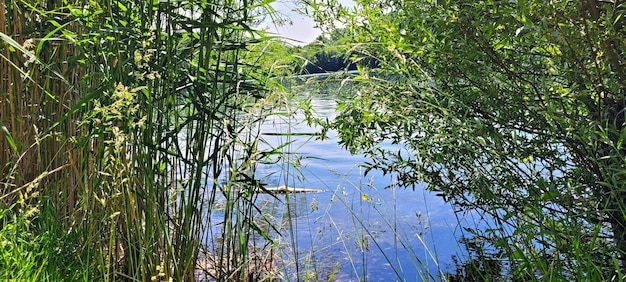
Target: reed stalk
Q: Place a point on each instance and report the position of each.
(123, 124)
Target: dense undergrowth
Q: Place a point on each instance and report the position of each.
(513, 108)
(122, 123)
(130, 135)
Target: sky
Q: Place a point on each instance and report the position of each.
(300, 29)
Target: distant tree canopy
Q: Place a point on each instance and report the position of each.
(326, 54)
(326, 59)
(516, 108)
(333, 52)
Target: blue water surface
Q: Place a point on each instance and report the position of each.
(362, 227)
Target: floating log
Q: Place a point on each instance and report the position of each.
(286, 189)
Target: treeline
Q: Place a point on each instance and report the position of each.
(325, 59)
(330, 53)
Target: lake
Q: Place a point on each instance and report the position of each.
(361, 227)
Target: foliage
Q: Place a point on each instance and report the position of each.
(481, 265)
(333, 53)
(277, 58)
(514, 107)
(329, 53)
(129, 120)
(324, 56)
(274, 58)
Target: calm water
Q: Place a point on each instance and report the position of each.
(356, 229)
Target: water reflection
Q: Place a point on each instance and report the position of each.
(356, 229)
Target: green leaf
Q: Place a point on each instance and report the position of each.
(548, 196)
(7, 135)
(517, 254)
(15, 45)
(121, 6)
(82, 103)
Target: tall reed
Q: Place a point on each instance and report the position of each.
(122, 123)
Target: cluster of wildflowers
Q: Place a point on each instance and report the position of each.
(122, 110)
(29, 47)
(142, 60)
(29, 193)
(160, 276)
(115, 123)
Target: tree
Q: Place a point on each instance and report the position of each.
(330, 54)
(273, 58)
(516, 108)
